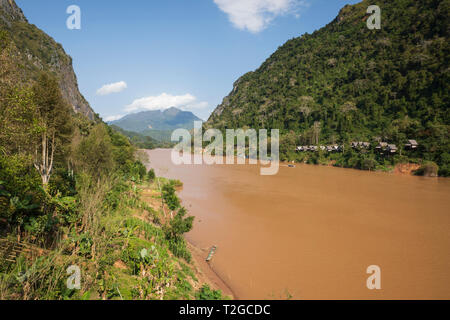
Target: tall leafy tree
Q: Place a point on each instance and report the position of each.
(94, 154)
(54, 122)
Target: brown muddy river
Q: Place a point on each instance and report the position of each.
(311, 232)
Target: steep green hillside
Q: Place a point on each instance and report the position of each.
(353, 83)
(33, 51)
(142, 141)
(164, 136)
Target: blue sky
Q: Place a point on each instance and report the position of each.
(162, 53)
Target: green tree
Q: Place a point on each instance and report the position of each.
(151, 175)
(179, 225)
(18, 126)
(53, 116)
(170, 197)
(206, 293)
(94, 154)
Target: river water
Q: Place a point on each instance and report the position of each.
(311, 232)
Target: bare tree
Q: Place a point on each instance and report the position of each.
(316, 133)
(45, 165)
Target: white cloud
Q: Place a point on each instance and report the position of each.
(256, 15)
(165, 101)
(112, 88)
(196, 105)
(114, 118)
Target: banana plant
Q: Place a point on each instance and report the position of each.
(4, 193)
(23, 205)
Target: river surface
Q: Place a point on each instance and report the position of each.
(311, 232)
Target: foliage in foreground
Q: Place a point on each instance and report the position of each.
(122, 252)
(88, 212)
(206, 293)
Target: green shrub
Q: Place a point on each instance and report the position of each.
(206, 293)
(151, 175)
(94, 154)
(40, 225)
(368, 164)
(179, 225)
(62, 182)
(85, 243)
(19, 176)
(113, 197)
(136, 171)
(175, 183)
(170, 197)
(444, 171)
(428, 169)
(179, 249)
(20, 189)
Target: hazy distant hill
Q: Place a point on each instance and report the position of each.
(143, 141)
(157, 124)
(32, 51)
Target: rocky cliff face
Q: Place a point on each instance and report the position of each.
(35, 51)
(11, 12)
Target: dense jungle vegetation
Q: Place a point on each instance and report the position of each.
(75, 192)
(347, 83)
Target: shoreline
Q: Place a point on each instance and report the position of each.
(224, 192)
(400, 169)
(206, 273)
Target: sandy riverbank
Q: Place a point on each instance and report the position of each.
(205, 271)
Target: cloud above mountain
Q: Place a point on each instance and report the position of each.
(256, 15)
(165, 101)
(112, 88)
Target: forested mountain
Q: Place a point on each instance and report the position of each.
(169, 119)
(157, 124)
(345, 82)
(32, 51)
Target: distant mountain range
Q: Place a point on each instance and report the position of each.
(157, 124)
(143, 141)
